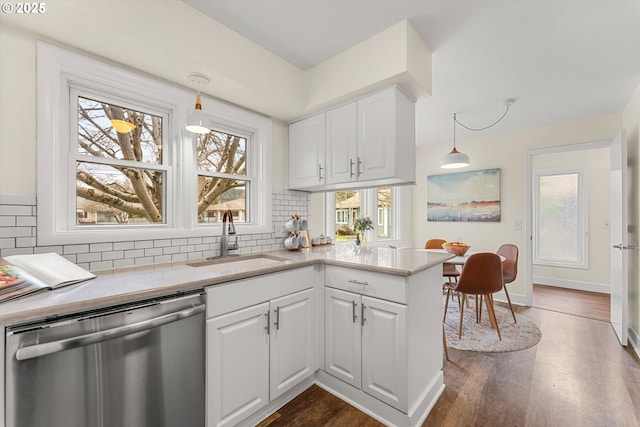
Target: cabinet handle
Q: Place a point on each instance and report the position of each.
(266, 327)
(358, 168)
(357, 282)
(355, 316)
(362, 319)
(320, 172)
(350, 168)
(277, 322)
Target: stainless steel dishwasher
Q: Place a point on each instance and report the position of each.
(127, 366)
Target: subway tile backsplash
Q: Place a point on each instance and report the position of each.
(18, 236)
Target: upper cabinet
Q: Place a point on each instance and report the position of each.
(366, 143)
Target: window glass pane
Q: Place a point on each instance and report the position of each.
(218, 195)
(347, 210)
(558, 217)
(118, 195)
(385, 210)
(114, 132)
(223, 153)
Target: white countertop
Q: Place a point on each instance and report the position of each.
(135, 284)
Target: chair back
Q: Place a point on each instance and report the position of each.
(510, 263)
(481, 274)
(434, 244)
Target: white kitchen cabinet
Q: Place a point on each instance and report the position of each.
(237, 365)
(306, 153)
(256, 354)
(292, 341)
(365, 345)
(367, 143)
(342, 144)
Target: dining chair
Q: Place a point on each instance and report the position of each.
(449, 270)
(509, 269)
(481, 276)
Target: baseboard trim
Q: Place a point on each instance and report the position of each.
(572, 284)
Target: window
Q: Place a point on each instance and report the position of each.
(222, 177)
(560, 218)
(119, 172)
(115, 163)
(380, 204)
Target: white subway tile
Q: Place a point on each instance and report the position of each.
(135, 253)
(144, 244)
(8, 221)
(162, 258)
(100, 247)
(16, 251)
(123, 263)
(123, 246)
(24, 221)
(75, 249)
(25, 242)
(161, 243)
(89, 257)
(7, 243)
(179, 257)
(170, 250)
(153, 252)
(15, 232)
(111, 255)
(100, 265)
(15, 210)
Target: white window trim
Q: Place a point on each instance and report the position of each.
(582, 261)
(369, 207)
(57, 68)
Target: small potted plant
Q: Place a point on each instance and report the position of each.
(361, 226)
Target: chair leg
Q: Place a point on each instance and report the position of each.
(446, 305)
(461, 317)
(506, 292)
(492, 314)
(444, 344)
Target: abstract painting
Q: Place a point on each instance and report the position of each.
(472, 196)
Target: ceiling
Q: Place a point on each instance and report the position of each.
(562, 60)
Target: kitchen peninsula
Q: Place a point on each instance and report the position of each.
(367, 325)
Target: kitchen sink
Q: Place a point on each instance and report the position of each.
(235, 263)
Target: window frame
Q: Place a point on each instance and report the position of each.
(369, 207)
(582, 243)
(60, 69)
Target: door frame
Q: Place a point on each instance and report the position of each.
(528, 183)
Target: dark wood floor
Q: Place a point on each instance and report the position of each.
(579, 303)
(578, 375)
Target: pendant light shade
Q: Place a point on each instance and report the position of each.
(122, 126)
(196, 120)
(454, 159)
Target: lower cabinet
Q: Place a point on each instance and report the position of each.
(365, 345)
(257, 353)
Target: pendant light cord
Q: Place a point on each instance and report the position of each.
(476, 129)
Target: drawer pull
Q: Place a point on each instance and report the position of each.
(357, 282)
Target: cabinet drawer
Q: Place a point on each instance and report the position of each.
(385, 286)
(230, 296)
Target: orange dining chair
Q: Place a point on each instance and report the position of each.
(481, 276)
(449, 270)
(509, 269)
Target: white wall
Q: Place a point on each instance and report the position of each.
(507, 152)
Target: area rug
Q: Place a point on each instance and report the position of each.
(481, 337)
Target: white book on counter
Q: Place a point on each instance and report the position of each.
(22, 275)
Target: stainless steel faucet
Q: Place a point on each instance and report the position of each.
(227, 228)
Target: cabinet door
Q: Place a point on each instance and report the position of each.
(237, 365)
(342, 333)
(306, 152)
(384, 352)
(342, 144)
(376, 136)
(292, 353)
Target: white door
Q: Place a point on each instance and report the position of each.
(619, 236)
(237, 365)
(306, 152)
(292, 341)
(384, 351)
(342, 332)
(342, 144)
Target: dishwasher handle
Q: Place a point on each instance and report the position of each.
(38, 350)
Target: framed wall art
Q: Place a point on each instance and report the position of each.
(472, 196)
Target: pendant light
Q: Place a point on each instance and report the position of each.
(196, 120)
(455, 159)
